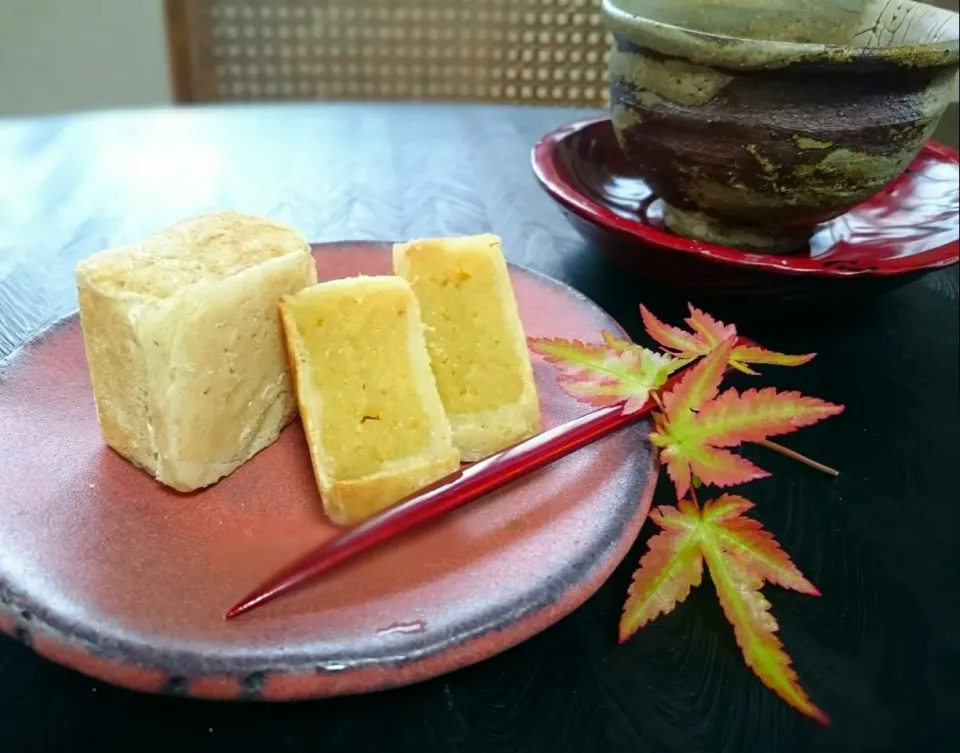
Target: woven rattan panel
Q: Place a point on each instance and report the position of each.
(533, 51)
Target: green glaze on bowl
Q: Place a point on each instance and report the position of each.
(756, 120)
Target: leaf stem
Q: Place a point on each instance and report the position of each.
(655, 394)
(793, 454)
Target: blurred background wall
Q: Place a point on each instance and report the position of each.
(58, 55)
(62, 55)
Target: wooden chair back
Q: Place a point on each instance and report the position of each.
(521, 51)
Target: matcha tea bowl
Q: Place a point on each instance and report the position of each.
(757, 120)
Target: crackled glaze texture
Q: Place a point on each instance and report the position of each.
(106, 571)
(907, 230)
(756, 120)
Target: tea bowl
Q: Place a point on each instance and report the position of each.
(757, 120)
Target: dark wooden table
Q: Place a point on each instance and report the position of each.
(880, 651)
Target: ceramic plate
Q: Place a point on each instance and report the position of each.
(908, 229)
(106, 571)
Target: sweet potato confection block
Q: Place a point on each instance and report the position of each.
(184, 344)
(368, 399)
(478, 350)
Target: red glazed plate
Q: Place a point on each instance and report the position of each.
(106, 571)
(909, 229)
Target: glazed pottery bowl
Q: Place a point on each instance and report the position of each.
(757, 120)
(905, 231)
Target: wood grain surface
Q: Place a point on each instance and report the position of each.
(879, 651)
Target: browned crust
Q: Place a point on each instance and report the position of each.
(352, 501)
(289, 342)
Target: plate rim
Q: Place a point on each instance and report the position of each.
(132, 664)
(543, 159)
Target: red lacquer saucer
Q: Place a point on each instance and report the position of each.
(907, 230)
(106, 571)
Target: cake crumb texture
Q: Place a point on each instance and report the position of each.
(477, 346)
(368, 399)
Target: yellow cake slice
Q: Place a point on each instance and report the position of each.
(478, 349)
(184, 343)
(368, 400)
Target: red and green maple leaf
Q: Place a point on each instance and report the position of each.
(740, 556)
(606, 374)
(697, 423)
(694, 428)
(705, 334)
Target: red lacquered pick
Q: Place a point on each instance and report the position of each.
(449, 493)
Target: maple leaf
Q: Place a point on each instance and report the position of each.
(758, 551)
(755, 629)
(710, 330)
(697, 423)
(740, 556)
(602, 375)
(705, 334)
(672, 565)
